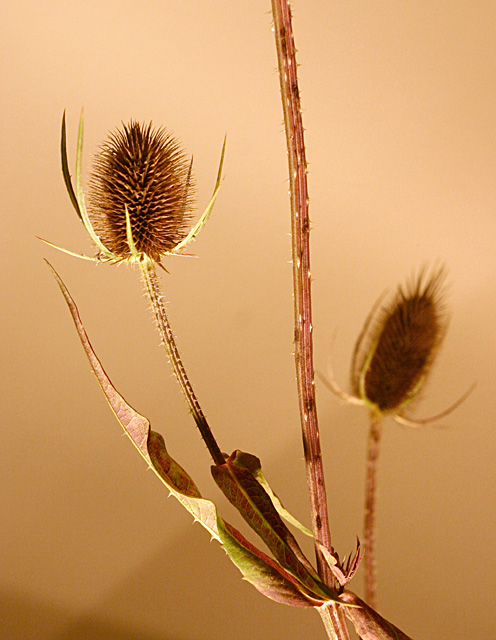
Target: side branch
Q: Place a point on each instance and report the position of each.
(152, 289)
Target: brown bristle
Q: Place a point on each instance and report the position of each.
(400, 346)
(144, 170)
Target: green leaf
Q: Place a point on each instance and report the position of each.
(263, 572)
(252, 501)
(257, 568)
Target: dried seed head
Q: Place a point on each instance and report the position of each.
(144, 171)
(396, 349)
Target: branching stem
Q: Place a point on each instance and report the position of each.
(152, 287)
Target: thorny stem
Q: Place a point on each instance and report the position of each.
(152, 287)
(300, 227)
(373, 446)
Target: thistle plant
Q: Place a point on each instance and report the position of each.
(140, 202)
(141, 171)
(397, 346)
(391, 362)
(139, 211)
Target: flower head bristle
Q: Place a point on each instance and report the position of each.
(397, 349)
(140, 172)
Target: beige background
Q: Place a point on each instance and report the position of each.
(400, 110)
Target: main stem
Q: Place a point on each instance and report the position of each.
(152, 287)
(300, 226)
(373, 446)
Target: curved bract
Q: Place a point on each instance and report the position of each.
(163, 215)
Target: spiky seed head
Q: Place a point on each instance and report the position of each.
(397, 347)
(143, 170)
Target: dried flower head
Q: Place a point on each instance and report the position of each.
(142, 171)
(397, 347)
(141, 195)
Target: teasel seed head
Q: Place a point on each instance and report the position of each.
(141, 195)
(140, 172)
(398, 345)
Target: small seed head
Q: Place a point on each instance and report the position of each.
(396, 350)
(143, 170)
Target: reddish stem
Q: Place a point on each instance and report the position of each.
(331, 614)
(300, 223)
(370, 500)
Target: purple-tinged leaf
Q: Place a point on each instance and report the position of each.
(343, 571)
(181, 486)
(135, 425)
(252, 501)
(353, 562)
(263, 572)
(257, 568)
(368, 623)
(253, 464)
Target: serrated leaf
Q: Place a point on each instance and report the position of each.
(257, 568)
(342, 571)
(252, 501)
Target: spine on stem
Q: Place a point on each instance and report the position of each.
(331, 615)
(300, 227)
(152, 287)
